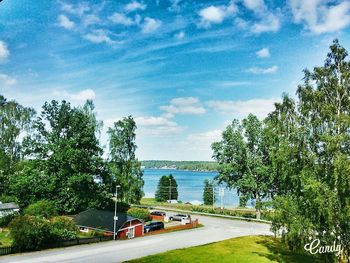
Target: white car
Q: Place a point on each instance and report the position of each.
(180, 217)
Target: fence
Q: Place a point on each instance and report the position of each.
(66, 243)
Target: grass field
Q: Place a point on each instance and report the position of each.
(250, 249)
(5, 239)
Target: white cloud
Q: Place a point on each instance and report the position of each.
(235, 83)
(201, 142)
(321, 16)
(180, 35)
(99, 36)
(4, 52)
(65, 22)
(268, 21)
(263, 53)
(122, 19)
(91, 20)
(187, 105)
(157, 126)
(154, 121)
(241, 109)
(216, 14)
(7, 80)
(134, 5)
(81, 96)
(78, 9)
(150, 25)
(258, 70)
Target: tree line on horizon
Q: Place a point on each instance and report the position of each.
(298, 157)
(56, 155)
(181, 165)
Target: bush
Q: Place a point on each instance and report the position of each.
(5, 220)
(42, 208)
(63, 228)
(30, 232)
(140, 213)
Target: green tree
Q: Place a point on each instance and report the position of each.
(43, 208)
(69, 156)
(124, 165)
(166, 189)
(309, 146)
(243, 160)
(208, 192)
(15, 120)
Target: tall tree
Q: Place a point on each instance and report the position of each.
(124, 164)
(243, 160)
(314, 135)
(166, 189)
(67, 148)
(208, 192)
(15, 122)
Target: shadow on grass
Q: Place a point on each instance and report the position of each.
(279, 252)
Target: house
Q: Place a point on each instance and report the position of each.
(103, 221)
(8, 208)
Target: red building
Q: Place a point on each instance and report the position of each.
(103, 221)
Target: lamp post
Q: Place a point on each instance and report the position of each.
(115, 211)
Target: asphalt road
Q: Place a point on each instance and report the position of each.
(215, 229)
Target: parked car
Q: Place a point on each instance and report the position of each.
(158, 213)
(179, 217)
(153, 226)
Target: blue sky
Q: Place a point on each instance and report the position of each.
(183, 69)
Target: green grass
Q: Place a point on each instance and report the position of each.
(5, 239)
(249, 249)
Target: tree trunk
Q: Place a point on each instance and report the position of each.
(257, 206)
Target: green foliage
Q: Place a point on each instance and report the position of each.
(30, 232)
(243, 160)
(6, 220)
(140, 213)
(309, 150)
(14, 120)
(208, 192)
(167, 188)
(181, 165)
(42, 208)
(126, 169)
(63, 228)
(34, 232)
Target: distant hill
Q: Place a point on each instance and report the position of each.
(181, 165)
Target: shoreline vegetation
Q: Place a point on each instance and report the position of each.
(196, 166)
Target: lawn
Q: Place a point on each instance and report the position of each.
(5, 239)
(249, 249)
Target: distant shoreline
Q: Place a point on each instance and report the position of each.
(178, 169)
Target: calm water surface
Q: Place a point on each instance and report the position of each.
(190, 185)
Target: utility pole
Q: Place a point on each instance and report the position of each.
(213, 196)
(115, 212)
(170, 191)
(222, 193)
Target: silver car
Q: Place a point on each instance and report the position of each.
(179, 217)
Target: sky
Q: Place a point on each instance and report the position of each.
(183, 69)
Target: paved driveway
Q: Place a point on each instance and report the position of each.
(215, 229)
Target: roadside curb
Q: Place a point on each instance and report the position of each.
(205, 214)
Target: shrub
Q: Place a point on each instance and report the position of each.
(42, 208)
(140, 213)
(30, 232)
(5, 220)
(63, 228)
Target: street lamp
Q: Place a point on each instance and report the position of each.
(115, 210)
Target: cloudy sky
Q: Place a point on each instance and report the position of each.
(183, 69)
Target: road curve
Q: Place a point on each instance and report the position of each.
(215, 229)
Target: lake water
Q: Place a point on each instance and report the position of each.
(190, 185)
